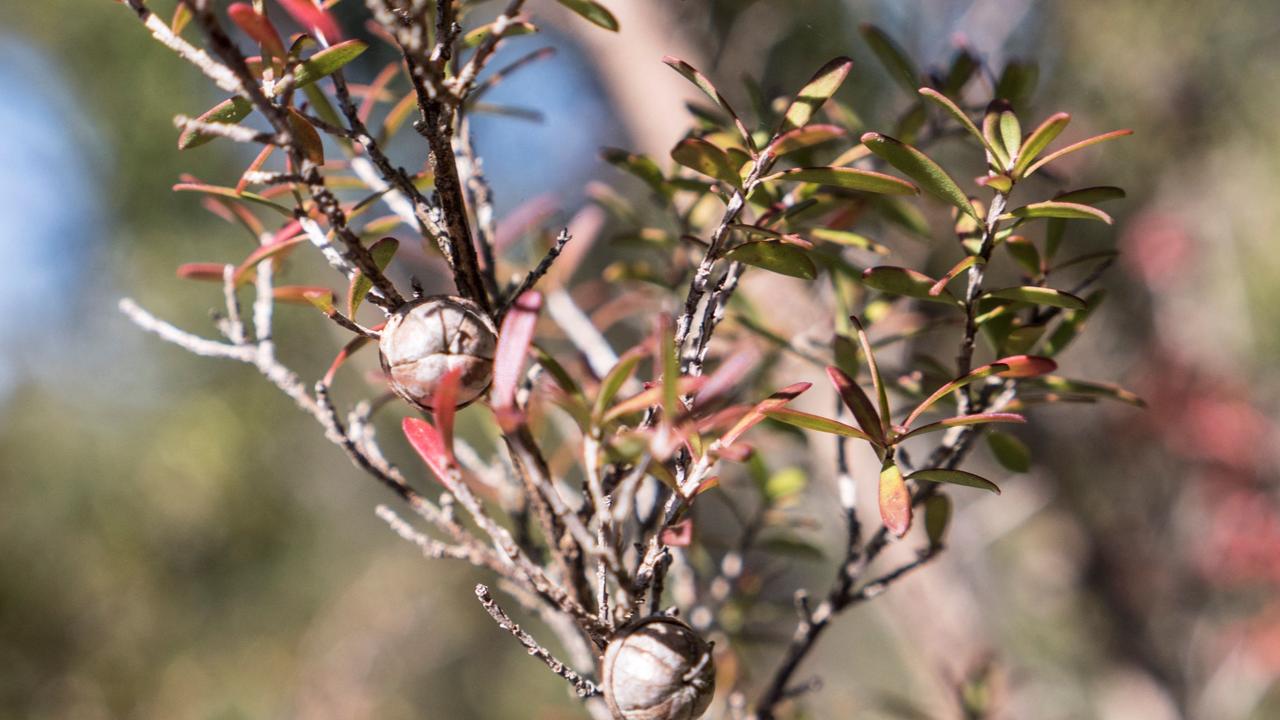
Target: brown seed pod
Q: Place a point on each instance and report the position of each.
(658, 669)
(431, 336)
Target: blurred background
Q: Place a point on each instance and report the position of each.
(179, 542)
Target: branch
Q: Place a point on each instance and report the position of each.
(584, 687)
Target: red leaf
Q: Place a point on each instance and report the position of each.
(308, 15)
(302, 294)
(264, 252)
(429, 445)
(756, 414)
(258, 27)
(1025, 366)
(858, 403)
(513, 345)
(445, 405)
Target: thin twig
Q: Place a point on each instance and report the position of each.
(584, 687)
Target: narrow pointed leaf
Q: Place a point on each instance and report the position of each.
(849, 178)
(343, 355)
(955, 477)
(906, 282)
(327, 61)
(850, 239)
(977, 374)
(232, 194)
(1039, 296)
(313, 18)
(263, 253)
(893, 57)
(641, 166)
(895, 500)
(814, 94)
(1091, 195)
(937, 516)
(1085, 387)
(258, 27)
(594, 12)
(514, 340)
(816, 422)
(941, 286)
(444, 406)
(954, 111)
(877, 380)
(757, 413)
(1038, 140)
(1059, 209)
(976, 419)
(615, 379)
(669, 361)
(1075, 147)
(1010, 133)
(920, 168)
(702, 83)
(805, 137)
(227, 112)
(854, 398)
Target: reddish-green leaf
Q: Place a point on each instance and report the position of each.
(1038, 140)
(444, 406)
(231, 193)
(1076, 146)
(345, 354)
(593, 12)
(849, 178)
(313, 17)
(850, 239)
(941, 286)
(920, 168)
(1039, 296)
(699, 155)
(977, 419)
(854, 398)
(906, 282)
(1085, 387)
(757, 413)
(816, 422)
(873, 368)
(977, 374)
(615, 379)
(1026, 366)
(702, 83)
(258, 27)
(814, 94)
(895, 500)
(306, 137)
(954, 477)
(805, 137)
(263, 253)
(1059, 209)
(202, 271)
(776, 257)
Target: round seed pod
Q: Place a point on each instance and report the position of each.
(432, 336)
(658, 669)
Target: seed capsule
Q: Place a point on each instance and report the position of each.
(658, 669)
(429, 337)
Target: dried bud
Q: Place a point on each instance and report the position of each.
(658, 669)
(429, 337)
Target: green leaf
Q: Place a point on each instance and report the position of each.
(1059, 209)
(641, 166)
(991, 131)
(702, 83)
(892, 56)
(228, 112)
(805, 137)
(907, 282)
(777, 257)
(816, 422)
(1009, 451)
(382, 251)
(978, 419)
(921, 168)
(594, 12)
(1024, 252)
(791, 547)
(1010, 133)
(877, 380)
(1017, 82)
(849, 178)
(954, 111)
(1072, 323)
(1038, 140)
(615, 379)
(1039, 296)
(327, 61)
(937, 516)
(1075, 147)
(814, 94)
(1091, 195)
(699, 155)
(850, 239)
(670, 364)
(954, 477)
(963, 66)
(482, 33)
(1059, 384)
